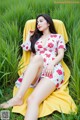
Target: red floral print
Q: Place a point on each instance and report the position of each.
(41, 52)
(62, 81)
(50, 45)
(20, 79)
(44, 59)
(53, 35)
(26, 47)
(61, 46)
(39, 46)
(59, 72)
(57, 85)
(50, 50)
(45, 49)
(51, 76)
(53, 58)
(48, 55)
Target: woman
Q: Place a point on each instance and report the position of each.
(45, 71)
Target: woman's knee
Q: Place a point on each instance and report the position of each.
(32, 100)
(38, 59)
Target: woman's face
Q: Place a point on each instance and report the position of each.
(42, 24)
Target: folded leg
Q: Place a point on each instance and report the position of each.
(29, 76)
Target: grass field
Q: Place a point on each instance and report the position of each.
(13, 16)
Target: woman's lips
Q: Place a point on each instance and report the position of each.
(39, 27)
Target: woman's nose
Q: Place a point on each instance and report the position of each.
(38, 23)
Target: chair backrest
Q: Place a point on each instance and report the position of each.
(59, 26)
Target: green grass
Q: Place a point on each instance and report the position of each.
(13, 16)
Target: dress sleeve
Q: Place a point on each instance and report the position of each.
(26, 45)
(61, 43)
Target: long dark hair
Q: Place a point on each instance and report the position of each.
(37, 34)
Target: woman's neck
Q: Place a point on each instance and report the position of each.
(46, 32)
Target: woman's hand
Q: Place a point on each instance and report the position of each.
(30, 33)
(49, 69)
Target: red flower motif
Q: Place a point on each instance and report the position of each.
(20, 79)
(50, 45)
(51, 76)
(44, 59)
(41, 52)
(53, 35)
(50, 50)
(45, 49)
(26, 47)
(39, 46)
(53, 58)
(61, 46)
(57, 85)
(48, 55)
(59, 72)
(62, 81)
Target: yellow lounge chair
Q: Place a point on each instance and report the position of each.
(59, 100)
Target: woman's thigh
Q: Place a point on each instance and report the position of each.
(44, 88)
(37, 76)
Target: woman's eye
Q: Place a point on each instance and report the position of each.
(41, 21)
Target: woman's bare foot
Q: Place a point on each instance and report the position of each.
(15, 101)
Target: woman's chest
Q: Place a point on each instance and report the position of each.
(49, 44)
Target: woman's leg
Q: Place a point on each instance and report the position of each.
(29, 76)
(44, 88)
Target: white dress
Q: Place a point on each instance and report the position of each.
(48, 52)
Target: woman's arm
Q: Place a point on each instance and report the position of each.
(32, 55)
(30, 33)
(61, 48)
(59, 57)
(26, 46)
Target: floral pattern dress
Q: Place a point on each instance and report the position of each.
(49, 53)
